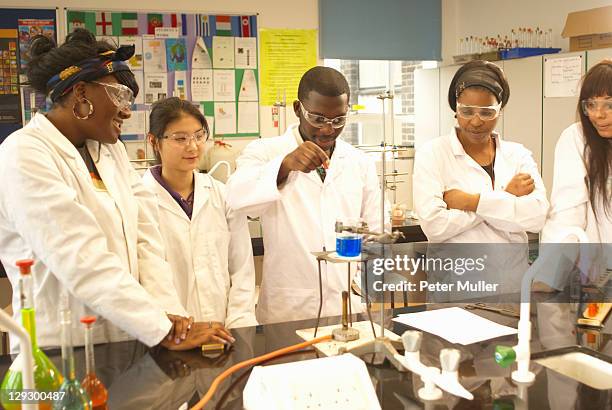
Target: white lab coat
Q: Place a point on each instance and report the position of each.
(442, 164)
(95, 246)
(299, 218)
(570, 203)
(211, 254)
(571, 207)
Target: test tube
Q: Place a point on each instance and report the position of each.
(549, 41)
(529, 37)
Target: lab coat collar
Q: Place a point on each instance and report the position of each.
(164, 198)
(105, 166)
(53, 135)
(202, 187)
(458, 149)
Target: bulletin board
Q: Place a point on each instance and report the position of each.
(17, 27)
(211, 60)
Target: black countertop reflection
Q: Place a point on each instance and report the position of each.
(142, 378)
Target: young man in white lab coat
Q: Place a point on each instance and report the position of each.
(300, 184)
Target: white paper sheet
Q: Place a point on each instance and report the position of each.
(562, 76)
(167, 32)
(248, 88)
(200, 58)
(246, 52)
(202, 85)
(154, 53)
(225, 118)
(248, 117)
(224, 83)
(223, 52)
(135, 62)
(135, 124)
(453, 323)
(156, 87)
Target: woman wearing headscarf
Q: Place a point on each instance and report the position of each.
(471, 185)
(71, 201)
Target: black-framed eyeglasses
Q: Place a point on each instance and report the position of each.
(201, 136)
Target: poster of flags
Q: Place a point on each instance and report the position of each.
(107, 23)
(209, 59)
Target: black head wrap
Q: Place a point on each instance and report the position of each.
(479, 74)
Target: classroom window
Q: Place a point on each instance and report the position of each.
(370, 78)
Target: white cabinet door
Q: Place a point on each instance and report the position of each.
(595, 56)
(523, 113)
(447, 116)
(427, 105)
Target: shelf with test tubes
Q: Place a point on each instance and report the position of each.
(520, 42)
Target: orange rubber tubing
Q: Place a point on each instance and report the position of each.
(252, 362)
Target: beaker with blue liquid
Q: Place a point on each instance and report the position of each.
(348, 238)
(348, 245)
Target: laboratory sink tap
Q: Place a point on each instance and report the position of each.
(433, 378)
(521, 352)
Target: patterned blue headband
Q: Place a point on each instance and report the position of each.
(108, 62)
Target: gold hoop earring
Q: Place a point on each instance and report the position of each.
(76, 113)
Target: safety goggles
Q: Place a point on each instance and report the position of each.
(484, 113)
(319, 121)
(120, 95)
(591, 107)
(183, 139)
